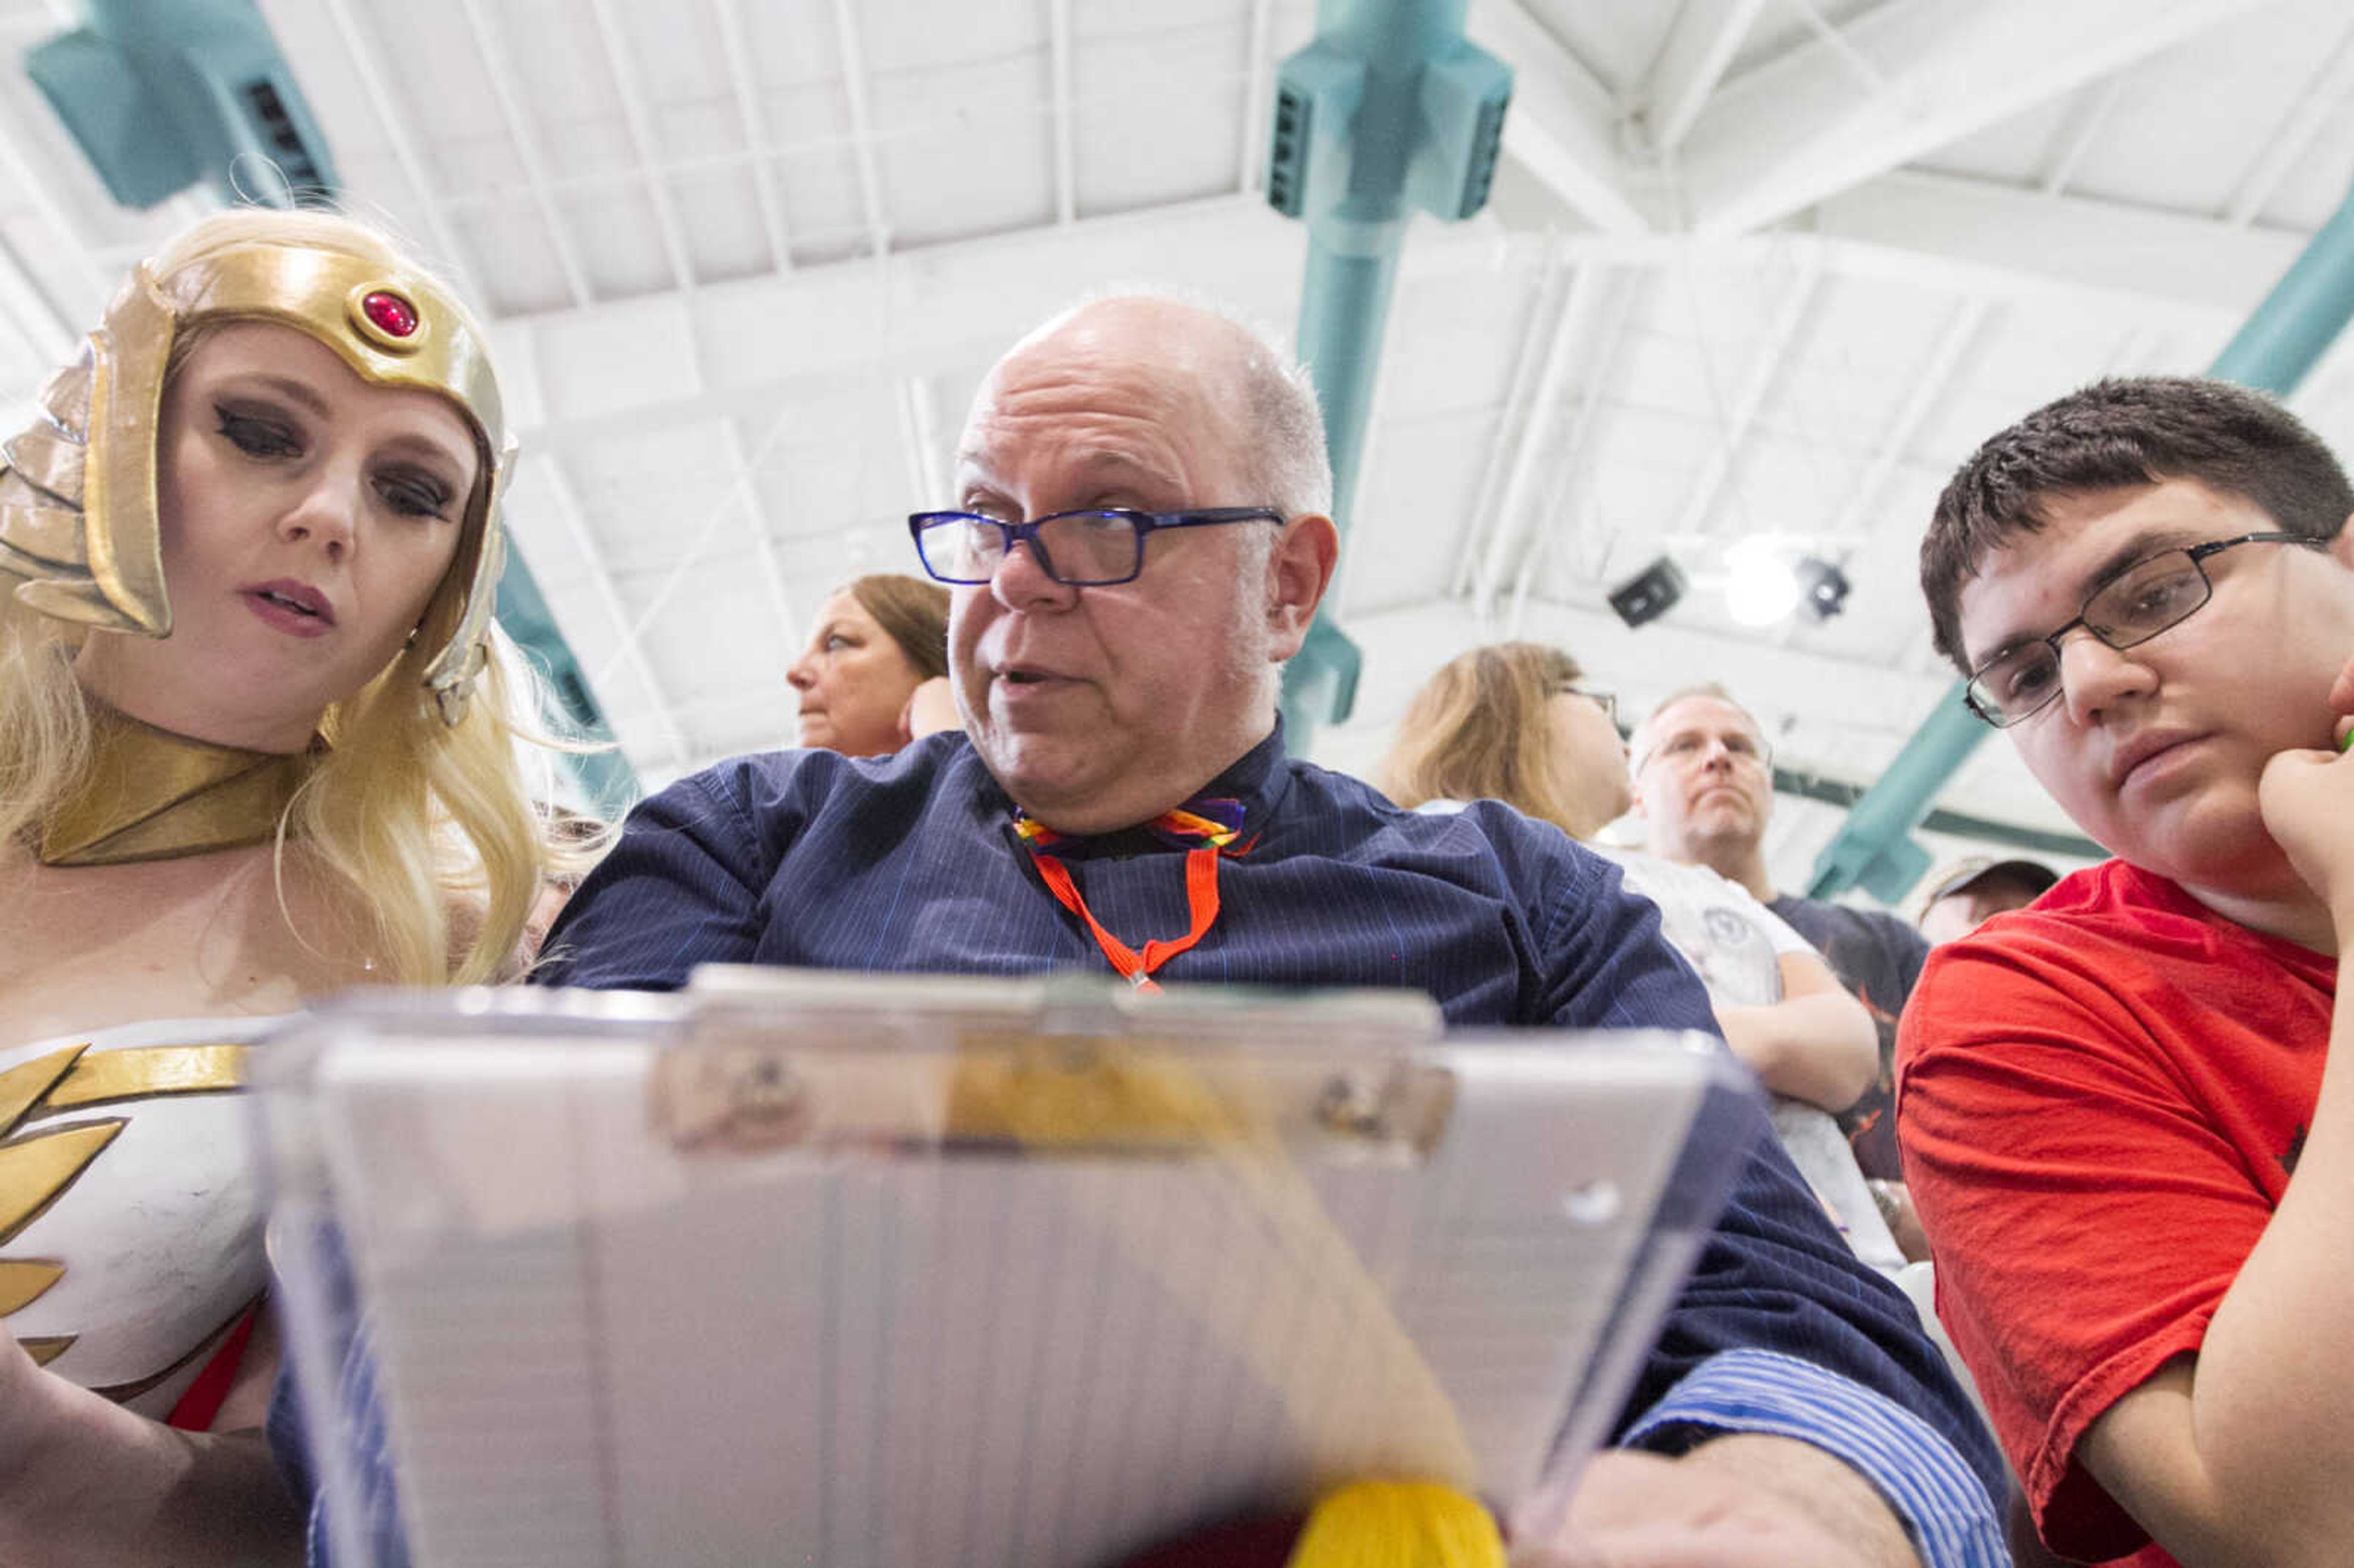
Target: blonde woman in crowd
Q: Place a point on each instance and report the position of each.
(252, 750)
(1516, 722)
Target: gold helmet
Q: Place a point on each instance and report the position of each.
(78, 513)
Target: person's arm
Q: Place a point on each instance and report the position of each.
(84, 1481)
(1816, 1043)
(681, 886)
(1741, 1501)
(1779, 1332)
(931, 709)
(2241, 1453)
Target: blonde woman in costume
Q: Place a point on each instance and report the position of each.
(1515, 723)
(252, 750)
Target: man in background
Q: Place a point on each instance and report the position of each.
(1704, 786)
(1974, 890)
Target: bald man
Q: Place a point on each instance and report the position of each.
(1140, 540)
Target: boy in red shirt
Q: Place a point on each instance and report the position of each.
(2102, 1098)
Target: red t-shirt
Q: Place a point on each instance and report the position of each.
(2100, 1099)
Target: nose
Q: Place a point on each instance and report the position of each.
(2096, 677)
(1021, 583)
(326, 513)
(799, 675)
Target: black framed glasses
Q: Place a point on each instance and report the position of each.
(1080, 549)
(2154, 594)
(1607, 701)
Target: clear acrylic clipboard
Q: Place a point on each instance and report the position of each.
(887, 1271)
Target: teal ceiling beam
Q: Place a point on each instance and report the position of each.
(165, 94)
(162, 94)
(2274, 352)
(608, 785)
(1390, 111)
(2300, 318)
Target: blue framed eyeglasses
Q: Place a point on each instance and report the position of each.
(1079, 550)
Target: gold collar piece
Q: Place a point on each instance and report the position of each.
(153, 795)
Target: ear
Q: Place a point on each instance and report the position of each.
(2342, 546)
(1634, 774)
(1298, 570)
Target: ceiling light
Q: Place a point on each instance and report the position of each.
(1761, 585)
(1768, 580)
(1650, 593)
(1824, 588)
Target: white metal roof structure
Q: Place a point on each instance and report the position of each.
(1752, 266)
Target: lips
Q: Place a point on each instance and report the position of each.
(1029, 675)
(2143, 748)
(293, 606)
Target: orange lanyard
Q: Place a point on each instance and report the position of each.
(1201, 902)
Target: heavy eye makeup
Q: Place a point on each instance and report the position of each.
(269, 434)
(414, 492)
(259, 430)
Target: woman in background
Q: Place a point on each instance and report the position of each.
(1514, 722)
(253, 749)
(874, 674)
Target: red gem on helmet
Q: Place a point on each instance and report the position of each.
(389, 313)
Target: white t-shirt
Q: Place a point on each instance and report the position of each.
(1736, 944)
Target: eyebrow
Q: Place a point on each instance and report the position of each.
(433, 454)
(2156, 541)
(286, 386)
(309, 397)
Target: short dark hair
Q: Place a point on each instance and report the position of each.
(2114, 434)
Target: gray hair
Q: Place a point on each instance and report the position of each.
(1279, 411)
(1640, 747)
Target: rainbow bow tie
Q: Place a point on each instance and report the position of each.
(1202, 822)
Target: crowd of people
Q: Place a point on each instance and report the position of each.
(259, 745)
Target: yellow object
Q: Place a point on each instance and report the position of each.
(78, 495)
(1398, 1524)
(35, 1169)
(150, 1070)
(1056, 1095)
(23, 1283)
(153, 795)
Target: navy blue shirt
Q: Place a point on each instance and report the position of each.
(910, 862)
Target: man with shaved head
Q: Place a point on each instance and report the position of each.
(1139, 540)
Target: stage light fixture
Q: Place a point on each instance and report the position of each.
(1768, 580)
(1823, 587)
(1650, 593)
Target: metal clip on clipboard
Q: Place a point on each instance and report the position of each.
(1074, 1066)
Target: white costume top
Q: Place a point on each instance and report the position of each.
(130, 1205)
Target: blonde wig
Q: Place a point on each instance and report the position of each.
(1480, 729)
